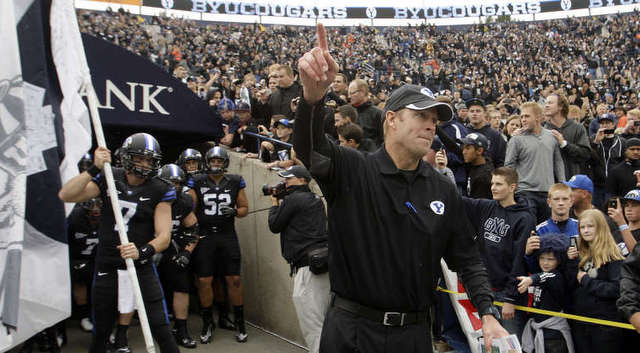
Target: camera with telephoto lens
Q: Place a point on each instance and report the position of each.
(278, 190)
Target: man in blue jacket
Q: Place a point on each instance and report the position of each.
(502, 226)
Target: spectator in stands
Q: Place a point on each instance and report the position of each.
(462, 113)
(478, 123)
(495, 120)
(512, 124)
(350, 135)
(608, 151)
(288, 89)
(454, 131)
(230, 122)
(573, 139)
(369, 116)
(478, 169)
(594, 274)
(339, 91)
(632, 127)
(171, 43)
(629, 302)
(345, 114)
(502, 226)
(535, 155)
(549, 292)
(560, 202)
(437, 158)
(622, 177)
(277, 155)
(243, 142)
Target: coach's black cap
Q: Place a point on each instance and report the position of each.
(297, 171)
(417, 98)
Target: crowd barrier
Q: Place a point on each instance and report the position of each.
(586, 319)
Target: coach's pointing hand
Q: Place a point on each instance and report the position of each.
(317, 69)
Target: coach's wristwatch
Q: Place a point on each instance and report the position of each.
(492, 310)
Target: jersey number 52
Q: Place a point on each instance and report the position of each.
(213, 201)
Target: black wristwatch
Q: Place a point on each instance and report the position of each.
(492, 310)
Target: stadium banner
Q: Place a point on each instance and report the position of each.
(123, 2)
(136, 95)
(35, 285)
(326, 9)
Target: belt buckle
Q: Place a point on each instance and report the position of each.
(391, 318)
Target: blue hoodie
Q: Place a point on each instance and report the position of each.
(501, 234)
(551, 226)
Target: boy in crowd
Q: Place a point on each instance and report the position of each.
(560, 203)
(350, 135)
(549, 290)
(277, 155)
(502, 226)
(478, 169)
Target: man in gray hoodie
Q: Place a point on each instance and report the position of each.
(535, 154)
(572, 137)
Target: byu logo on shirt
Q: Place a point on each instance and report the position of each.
(437, 207)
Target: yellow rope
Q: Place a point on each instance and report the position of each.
(558, 314)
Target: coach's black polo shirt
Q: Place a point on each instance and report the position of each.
(388, 229)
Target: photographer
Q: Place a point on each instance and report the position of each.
(299, 215)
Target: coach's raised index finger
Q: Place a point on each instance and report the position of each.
(321, 36)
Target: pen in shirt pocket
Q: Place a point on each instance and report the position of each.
(410, 207)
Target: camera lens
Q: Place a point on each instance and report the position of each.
(266, 189)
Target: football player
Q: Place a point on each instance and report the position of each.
(145, 202)
(174, 265)
(221, 198)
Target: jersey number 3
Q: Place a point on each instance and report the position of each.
(211, 201)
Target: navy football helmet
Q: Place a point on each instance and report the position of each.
(216, 153)
(143, 145)
(190, 155)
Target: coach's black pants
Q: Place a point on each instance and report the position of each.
(105, 307)
(344, 332)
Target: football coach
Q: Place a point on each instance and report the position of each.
(392, 217)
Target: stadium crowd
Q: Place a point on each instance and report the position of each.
(542, 143)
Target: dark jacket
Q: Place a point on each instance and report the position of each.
(301, 221)
(596, 297)
(577, 151)
(549, 291)
(280, 100)
(388, 229)
(621, 179)
(497, 145)
(370, 119)
(479, 180)
(629, 302)
(501, 234)
(609, 152)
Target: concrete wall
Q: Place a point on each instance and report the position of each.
(267, 285)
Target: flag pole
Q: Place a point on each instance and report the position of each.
(66, 17)
(115, 205)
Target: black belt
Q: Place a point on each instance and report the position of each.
(387, 318)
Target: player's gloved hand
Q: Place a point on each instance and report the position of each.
(181, 259)
(228, 211)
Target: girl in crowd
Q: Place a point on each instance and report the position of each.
(594, 275)
(513, 124)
